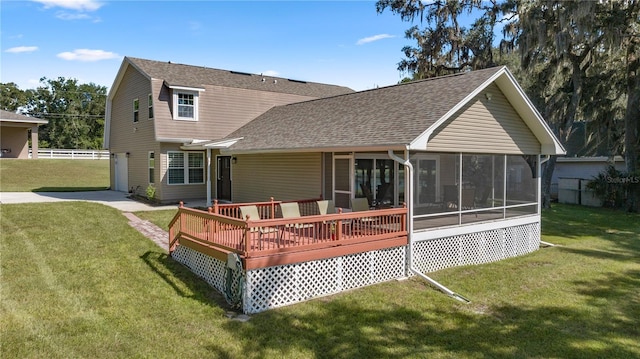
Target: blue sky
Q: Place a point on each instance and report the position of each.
(339, 42)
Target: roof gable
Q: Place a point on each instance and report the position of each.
(395, 117)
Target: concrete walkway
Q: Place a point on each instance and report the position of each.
(117, 200)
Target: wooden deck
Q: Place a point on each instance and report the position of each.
(278, 241)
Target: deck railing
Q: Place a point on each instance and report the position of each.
(225, 230)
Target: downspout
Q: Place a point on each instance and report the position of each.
(409, 198)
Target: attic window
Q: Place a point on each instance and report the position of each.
(185, 105)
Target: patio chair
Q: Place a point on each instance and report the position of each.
(253, 214)
(326, 207)
(292, 210)
(359, 205)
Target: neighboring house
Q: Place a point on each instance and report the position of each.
(572, 174)
(14, 135)
(463, 152)
(154, 108)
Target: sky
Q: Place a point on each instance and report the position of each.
(345, 43)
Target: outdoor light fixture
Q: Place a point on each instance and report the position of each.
(488, 96)
(128, 154)
(234, 160)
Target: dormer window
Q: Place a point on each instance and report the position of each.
(185, 103)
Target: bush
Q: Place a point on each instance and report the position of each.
(613, 187)
(151, 193)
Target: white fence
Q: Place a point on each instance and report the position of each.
(71, 154)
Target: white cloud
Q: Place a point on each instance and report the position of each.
(20, 49)
(87, 55)
(78, 5)
(69, 16)
(271, 73)
(369, 39)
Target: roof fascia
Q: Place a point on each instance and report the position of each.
(185, 88)
(381, 148)
(26, 121)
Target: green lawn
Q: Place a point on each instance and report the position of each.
(79, 282)
(48, 175)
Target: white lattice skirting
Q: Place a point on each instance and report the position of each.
(476, 248)
(273, 287)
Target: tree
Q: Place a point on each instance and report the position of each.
(574, 49)
(445, 46)
(578, 58)
(75, 113)
(11, 97)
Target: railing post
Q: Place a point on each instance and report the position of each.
(404, 217)
(273, 209)
(247, 237)
(215, 207)
(339, 227)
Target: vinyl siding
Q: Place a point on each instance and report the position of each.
(221, 111)
(328, 175)
(137, 138)
(282, 176)
(485, 126)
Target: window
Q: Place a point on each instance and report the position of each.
(152, 165)
(136, 110)
(185, 168)
(150, 106)
(185, 105)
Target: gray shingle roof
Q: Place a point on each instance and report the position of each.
(388, 116)
(198, 76)
(14, 117)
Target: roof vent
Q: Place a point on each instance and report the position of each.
(263, 79)
(298, 81)
(240, 73)
(275, 81)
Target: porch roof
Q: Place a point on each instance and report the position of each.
(394, 117)
(11, 118)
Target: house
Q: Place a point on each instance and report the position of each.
(14, 135)
(447, 169)
(154, 108)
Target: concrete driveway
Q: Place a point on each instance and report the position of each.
(113, 199)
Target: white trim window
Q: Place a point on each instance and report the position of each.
(185, 167)
(136, 110)
(150, 101)
(185, 105)
(152, 167)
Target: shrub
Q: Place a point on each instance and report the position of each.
(151, 192)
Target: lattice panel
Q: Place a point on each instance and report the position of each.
(274, 287)
(208, 268)
(476, 248)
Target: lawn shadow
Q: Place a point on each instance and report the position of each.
(341, 328)
(69, 189)
(184, 282)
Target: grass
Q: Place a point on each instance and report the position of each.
(53, 175)
(79, 282)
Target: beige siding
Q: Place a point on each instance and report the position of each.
(14, 141)
(177, 192)
(282, 176)
(137, 138)
(485, 126)
(222, 110)
(328, 175)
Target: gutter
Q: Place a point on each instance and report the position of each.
(432, 281)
